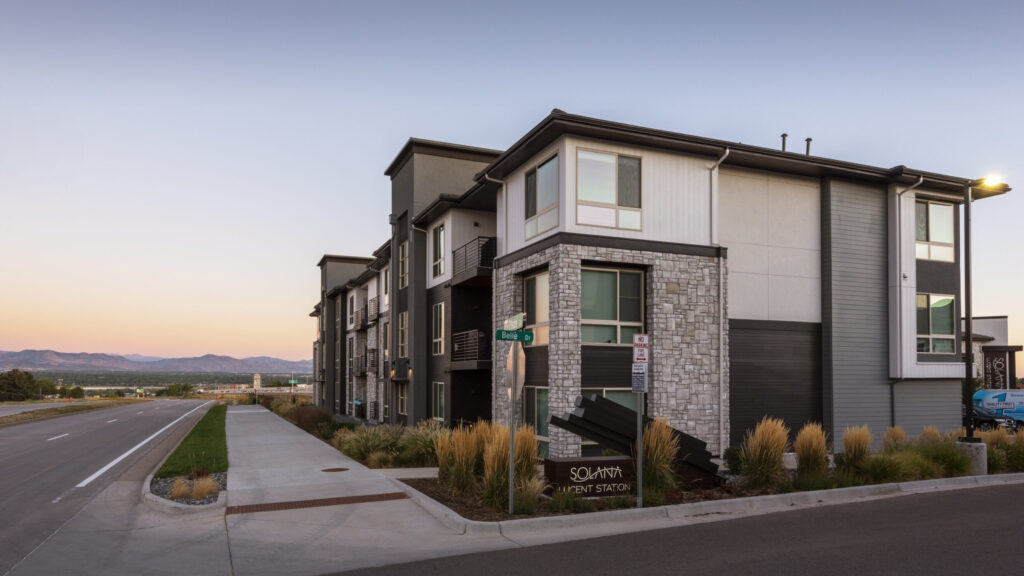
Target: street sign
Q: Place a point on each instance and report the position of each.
(293, 381)
(639, 378)
(515, 322)
(514, 336)
(641, 348)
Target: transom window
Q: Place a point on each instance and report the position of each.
(935, 324)
(542, 198)
(437, 401)
(611, 305)
(934, 231)
(535, 297)
(607, 190)
(438, 251)
(403, 334)
(437, 334)
(403, 265)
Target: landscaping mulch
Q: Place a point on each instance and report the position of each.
(469, 508)
(162, 488)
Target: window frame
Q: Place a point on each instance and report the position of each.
(535, 217)
(403, 334)
(402, 398)
(617, 323)
(403, 265)
(437, 329)
(386, 348)
(932, 336)
(532, 419)
(437, 245)
(616, 206)
(437, 401)
(351, 310)
(531, 324)
(929, 243)
(385, 281)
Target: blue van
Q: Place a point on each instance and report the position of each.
(1009, 403)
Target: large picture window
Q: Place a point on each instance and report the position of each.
(438, 260)
(437, 401)
(934, 223)
(403, 265)
(607, 190)
(403, 334)
(535, 297)
(542, 198)
(611, 305)
(936, 324)
(437, 327)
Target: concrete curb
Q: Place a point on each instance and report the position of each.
(707, 511)
(171, 506)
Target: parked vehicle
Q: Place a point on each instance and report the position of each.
(985, 419)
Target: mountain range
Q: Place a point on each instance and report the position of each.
(42, 360)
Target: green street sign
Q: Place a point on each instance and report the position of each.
(293, 381)
(514, 336)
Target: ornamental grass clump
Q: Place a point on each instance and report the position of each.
(461, 476)
(494, 489)
(997, 438)
(930, 435)
(528, 492)
(526, 454)
(761, 453)
(367, 440)
(204, 487)
(660, 448)
(894, 439)
(856, 449)
(180, 489)
(811, 452)
(417, 446)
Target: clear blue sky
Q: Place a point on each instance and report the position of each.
(171, 172)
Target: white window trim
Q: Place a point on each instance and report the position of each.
(615, 206)
(437, 263)
(351, 310)
(386, 288)
(403, 265)
(437, 340)
(553, 206)
(616, 323)
(930, 243)
(932, 336)
(403, 334)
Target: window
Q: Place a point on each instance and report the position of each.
(542, 198)
(386, 348)
(403, 334)
(935, 324)
(607, 190)
(611, 306)
(351, 310)
(623, 396)
(402, 393)
(934, 231)
(386, 283)
(535, 413)
(437, 401)
(535, 298)
(387, 402)
(403, 264)
(437, 329)
(438, 237)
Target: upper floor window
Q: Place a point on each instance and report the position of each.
(351, 309)
(607, 190)
(542, 198)
(437, 398)
(935, 324)
(385, 282)
(403, 265)
(934, 231)
(402, 398)
(611, 305)
(437, 334)
(386, 345)
(438, 250)
(403, 334)
(535, 298)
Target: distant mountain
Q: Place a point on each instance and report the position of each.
(141, 358)
(42, 360)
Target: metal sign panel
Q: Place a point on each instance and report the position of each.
(639, 378)
(641, 348)
(514, 336)
(515, 322)
(515, 371)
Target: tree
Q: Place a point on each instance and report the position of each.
(16, 385)
(186, 389)
(64, 391)
(46, 387)
(77, 392)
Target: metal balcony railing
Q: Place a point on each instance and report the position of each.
(371, 360)
(477, 253)
(373, 309)
(360, 365)
(471, 346)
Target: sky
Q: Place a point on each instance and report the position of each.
(170, 173)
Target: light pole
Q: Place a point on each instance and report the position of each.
(989, 183)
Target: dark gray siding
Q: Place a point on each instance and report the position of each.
(855, 309)
(438, 365)
(774, 370)
(920, 403)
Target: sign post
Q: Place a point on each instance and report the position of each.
(641, 357)
(514, 365)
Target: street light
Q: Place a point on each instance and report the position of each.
(991, 184)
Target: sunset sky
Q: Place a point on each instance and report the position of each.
(170, 173)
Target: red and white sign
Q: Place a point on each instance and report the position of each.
(641, 348)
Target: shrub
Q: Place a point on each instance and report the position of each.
(203, 487)
(325, 430)
(379, 459)
(418, 443)
(563, 501)
(916, 466)
(285, 409)
(180, 489)
(528, 493)
(494, 493)
(309, 418)
(996, 459)
(951, 460)
(930, 435)
(893, 439)
(761, 453)
(341, 438)
(660, 448)
(856, 448)
(882, 468)
(366, 441)
(1018, 438)
(618, 502)
(733, 460)
(267, 401)
(811, 451)
(526, 455)
(995, 438)
(1014, 457)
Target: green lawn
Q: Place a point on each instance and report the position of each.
(205, 448)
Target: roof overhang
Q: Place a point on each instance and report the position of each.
(435, 148)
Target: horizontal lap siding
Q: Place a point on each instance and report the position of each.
(927, 403)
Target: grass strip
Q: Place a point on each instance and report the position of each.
(205, 448)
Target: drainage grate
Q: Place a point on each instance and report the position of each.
(335, 470)
(297, 504)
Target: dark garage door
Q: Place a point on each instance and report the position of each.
(774, 370)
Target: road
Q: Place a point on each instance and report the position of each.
(9, 409)
(52, 468)
(974, 531)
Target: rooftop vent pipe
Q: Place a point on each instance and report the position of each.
(784, 141)
(808, 140)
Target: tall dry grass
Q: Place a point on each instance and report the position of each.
(761, 453)
(462, 473)
(996, 438)
(894, 439)
(203, 487)
(180, 489)
(811, 451)
(856, 445)
(930, 435)
(526, 454)
(660, 449)
(494, 489)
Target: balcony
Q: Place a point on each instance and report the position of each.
(371, 361)
(471, 350)
(360, 365)
(360, 319)
(472, 262)
(373, 310)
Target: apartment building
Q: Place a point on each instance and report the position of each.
(770, 282)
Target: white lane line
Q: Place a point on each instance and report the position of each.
(114, 420)
(114, 462)
(56, 437)
(139, 412)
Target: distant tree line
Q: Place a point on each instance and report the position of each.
(16, 385)
(147, 379)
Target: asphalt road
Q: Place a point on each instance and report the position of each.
(48, 469)
(974, 531)
(8, 409)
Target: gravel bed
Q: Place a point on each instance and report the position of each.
(162, 488)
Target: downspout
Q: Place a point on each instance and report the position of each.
(494, 301)
(899, 295)
(721, 304)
